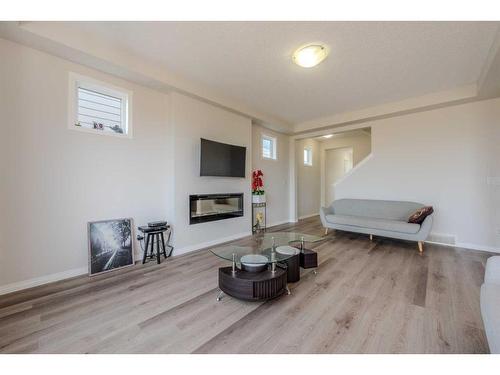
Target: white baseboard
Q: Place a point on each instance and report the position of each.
(467, 246)
(26, 284)
(189, 248)
(278, 223)
(472, 246)
(308, 216)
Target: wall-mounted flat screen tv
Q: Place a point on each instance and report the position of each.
(221, 159)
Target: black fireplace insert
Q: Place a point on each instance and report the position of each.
(212, 207)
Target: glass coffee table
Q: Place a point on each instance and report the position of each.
(262, 272)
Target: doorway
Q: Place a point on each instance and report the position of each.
(338, 162)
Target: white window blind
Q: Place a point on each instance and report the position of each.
(97, 107)
(100, 111)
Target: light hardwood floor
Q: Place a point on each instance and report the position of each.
(368, 297)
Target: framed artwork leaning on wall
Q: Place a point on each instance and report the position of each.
(110, 245)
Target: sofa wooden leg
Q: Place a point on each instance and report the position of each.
(326, 231)
(421, 247)
(371, 237)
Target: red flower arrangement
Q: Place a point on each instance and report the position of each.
(257, 184)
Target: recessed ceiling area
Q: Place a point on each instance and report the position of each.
(369, 63)
(345, 133)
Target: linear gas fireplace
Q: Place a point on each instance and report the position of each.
(211, 207)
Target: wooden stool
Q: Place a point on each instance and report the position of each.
(152, 235)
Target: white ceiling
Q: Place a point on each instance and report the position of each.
(370, 63)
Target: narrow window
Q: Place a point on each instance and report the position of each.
(308, 156)
(268, 147)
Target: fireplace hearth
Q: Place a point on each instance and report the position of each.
(211, 207)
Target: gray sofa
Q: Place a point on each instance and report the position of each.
(490, 303)
(376, 217)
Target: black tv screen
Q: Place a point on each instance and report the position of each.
(220, 159)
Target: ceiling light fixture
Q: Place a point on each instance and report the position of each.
(310, 55)
(328, 136)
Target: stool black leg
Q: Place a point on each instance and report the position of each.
(145, 250)
(168, 243)
(158, 249)
(151, 246)
(163, 245)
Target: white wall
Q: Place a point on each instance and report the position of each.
(54, 180)
(358, 140)
(335, 169)
(193, 120)
(308, 179)
(276, 174)
(443, 158)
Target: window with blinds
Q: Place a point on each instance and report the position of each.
(100, 108)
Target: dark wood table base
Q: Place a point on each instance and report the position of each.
(253, 286)
(308, 259)
(293, 269)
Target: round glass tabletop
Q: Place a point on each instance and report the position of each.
(271, 248)
(288, 238)
(252, 255)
